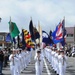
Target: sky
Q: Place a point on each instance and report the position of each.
(48, 12)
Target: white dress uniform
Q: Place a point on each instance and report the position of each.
(18, 64)
(53, 59)
(23, 59)
(49, 55)
(56, 63)
(13, 65)
(42, 56)
(50, 58)
(73, 51)
(46, 53)
(38, 65)
(27, 59)
(29, 56)
(62, 64)
(21, 62)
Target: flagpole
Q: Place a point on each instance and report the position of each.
(39, 30)
(10, 20)
(10, 31)
(64, 28)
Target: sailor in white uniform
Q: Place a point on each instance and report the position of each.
(13, 63)
(25, 58)
(56, 62)
(21, 62)
(42, 61)
(18, 64)
(62, 62)
(38, 59)
(52, 57)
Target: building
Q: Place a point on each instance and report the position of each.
(70, 39)
(3, 43)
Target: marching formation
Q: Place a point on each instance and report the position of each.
(57, 59)
(19, 60)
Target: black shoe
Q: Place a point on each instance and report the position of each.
(55, 71)
(2, 74)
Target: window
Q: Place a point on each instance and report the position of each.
(1, 38)
(69, 35)
(0, 44)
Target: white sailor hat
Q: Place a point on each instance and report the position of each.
(38, 51)
(62, 47)
(20, 49)
(13, 49)
(53, 48)
(17, 49)
(61, 50)
(58, 49)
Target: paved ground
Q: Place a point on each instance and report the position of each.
(30, 70)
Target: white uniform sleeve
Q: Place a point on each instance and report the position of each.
(10, 58)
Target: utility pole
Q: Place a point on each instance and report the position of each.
(74, 34)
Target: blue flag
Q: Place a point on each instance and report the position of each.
(58, 34)
(45, 37)
(8, 38)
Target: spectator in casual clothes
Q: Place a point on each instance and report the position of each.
(1, 61)
(5, 57)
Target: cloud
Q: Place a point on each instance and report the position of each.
(48, 12)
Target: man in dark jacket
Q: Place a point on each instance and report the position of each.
(1, 61)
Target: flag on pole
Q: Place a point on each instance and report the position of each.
(58, 34)
(64, 32)
(9, 39)
(31, 30)
(27, 38)
(45, 37)
(14, 31)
